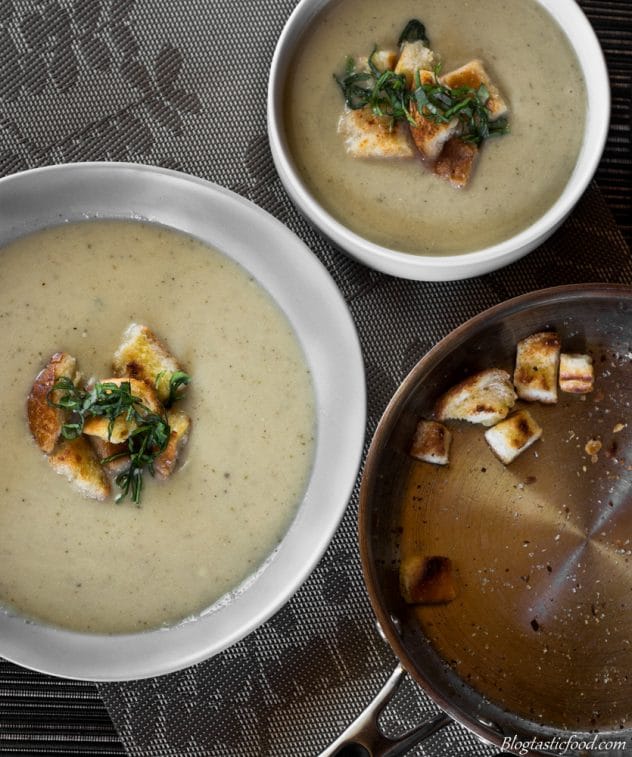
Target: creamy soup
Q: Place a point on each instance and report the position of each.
(400, 203)
(103, 567)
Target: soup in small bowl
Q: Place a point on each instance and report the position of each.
(445, 152)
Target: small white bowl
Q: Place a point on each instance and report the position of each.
(583, 41)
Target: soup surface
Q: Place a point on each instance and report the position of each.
(400, 203)
(103, 567)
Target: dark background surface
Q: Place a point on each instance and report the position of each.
(40, 714)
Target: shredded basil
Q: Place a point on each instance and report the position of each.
(148, 438)
(387, 95)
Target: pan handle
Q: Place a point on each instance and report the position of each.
(363, 738)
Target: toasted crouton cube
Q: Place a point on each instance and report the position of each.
(180, 425)
(414, 57)
(428, 135)
(485, 397)
(383, 60)
(431, 443)
(44, 420)
(577, 374)
(473, 75)
(121, 428)
(369, 136)
(511, 437)
(537, 362)
(427, 580)
(77, 460)
(456, 162)
(105, 449)
(142, 355)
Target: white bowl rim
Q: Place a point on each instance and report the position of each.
(571, 19)
(324, 326)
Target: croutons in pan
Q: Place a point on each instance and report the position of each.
(504, 586)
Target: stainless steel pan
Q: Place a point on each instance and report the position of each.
(536, 651)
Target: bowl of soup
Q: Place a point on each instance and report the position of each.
(462, 204)
(111, 587)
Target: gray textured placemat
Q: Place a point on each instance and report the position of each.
(160, 83)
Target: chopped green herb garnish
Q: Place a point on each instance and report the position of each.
(146, 441)
(178, 380)
(387, 94)
(384, 92)
(441, 104)
(414, 31)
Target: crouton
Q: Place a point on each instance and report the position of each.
(121, 428)
(537, 361)
(414, 57)
(427, 580)
(141, 355)
(180, 425)
(77, 460)
(383, 60)
(430, 136)
(473, 75)
(431, 443)
(369, 136)
(577, 374)
(45, 421)
(511, 437)
(486, 398)
(456, 162)
(105, 449)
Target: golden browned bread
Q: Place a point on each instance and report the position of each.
(369, 136)
(77, 460)
(431, 443)
(577, 374)
(473, 75)
(414, 57)
(511, 437)
(121, 428)
(485, 397)
(141, 355)
(180, 425)
(429, 136)
(383, 59)
(44, 420)
(537, 362)
(105, 449)
(456, 162)
(427, 580)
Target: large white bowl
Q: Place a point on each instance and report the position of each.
(447, 267)
(305, 292)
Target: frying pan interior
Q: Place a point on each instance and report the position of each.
(538, 643)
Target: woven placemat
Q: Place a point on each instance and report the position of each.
(139, 81)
